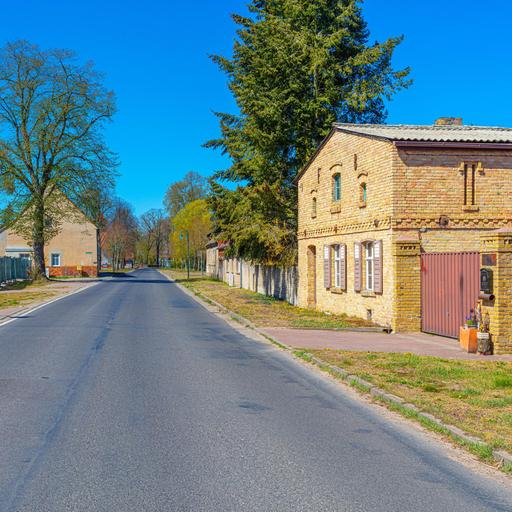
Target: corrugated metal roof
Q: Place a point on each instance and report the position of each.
(423, 133)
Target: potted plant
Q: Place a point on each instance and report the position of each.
(483, 336)
(468, 333)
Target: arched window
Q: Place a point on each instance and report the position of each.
(313, 207)
(362, 194)
(336, 187)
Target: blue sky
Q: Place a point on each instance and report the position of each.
(155, 56)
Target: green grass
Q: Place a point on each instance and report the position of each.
(23, 293)
(475, 396)
(262, 310)
(16, 299)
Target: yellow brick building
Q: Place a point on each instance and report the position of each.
(375, 198)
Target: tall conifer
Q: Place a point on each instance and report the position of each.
(297, 67)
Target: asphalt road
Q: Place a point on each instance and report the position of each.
(132, 397)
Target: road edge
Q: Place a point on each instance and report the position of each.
(30, 309)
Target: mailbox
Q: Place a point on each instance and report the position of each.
(486, 284)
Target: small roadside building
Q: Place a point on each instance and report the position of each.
(72, 252)
(396, 222)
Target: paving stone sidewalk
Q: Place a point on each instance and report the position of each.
(420, 344)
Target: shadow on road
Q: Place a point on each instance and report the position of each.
(116, 274)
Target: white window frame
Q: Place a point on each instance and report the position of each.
(337, 266)
(370, 266)
(58, 255)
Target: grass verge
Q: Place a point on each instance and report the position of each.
(16, 299)
(261, 310)
(475, 396)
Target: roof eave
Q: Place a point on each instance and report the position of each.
(411, 144)
(350, 131)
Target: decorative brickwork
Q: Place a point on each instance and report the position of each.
(498, 244)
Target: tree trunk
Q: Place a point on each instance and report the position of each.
(38, 241)
(98, 250)
(158, 255)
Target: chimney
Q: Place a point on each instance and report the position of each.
(449, 121)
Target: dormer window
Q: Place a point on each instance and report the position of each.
(336, 187)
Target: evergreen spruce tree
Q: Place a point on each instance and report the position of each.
(298, 66)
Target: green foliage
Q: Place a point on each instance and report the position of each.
(193, 186)
(297, 67)
(194, 218)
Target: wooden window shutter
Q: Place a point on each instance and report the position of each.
(343, 267)
(377, 267)
(358, 267)
(327, 267)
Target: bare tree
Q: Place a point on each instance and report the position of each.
(121, 234)
(155, 232)
(52, 110)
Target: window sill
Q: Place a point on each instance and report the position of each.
(336, 208)
(470, 208)
(337, 291)
(368, 293)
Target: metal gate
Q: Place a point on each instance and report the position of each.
(14, 268)
(450, 286)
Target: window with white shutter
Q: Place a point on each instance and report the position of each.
(340, 266)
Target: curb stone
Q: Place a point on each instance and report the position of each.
(502, 457)
(354, 379)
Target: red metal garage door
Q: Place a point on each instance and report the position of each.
(450, 286)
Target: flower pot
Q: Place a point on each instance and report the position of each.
(484, 343)
(468, 339)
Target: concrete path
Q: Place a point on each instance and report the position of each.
(421, 344)
(130, 396)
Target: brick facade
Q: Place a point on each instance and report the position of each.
(76, 271)
(422, 199)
